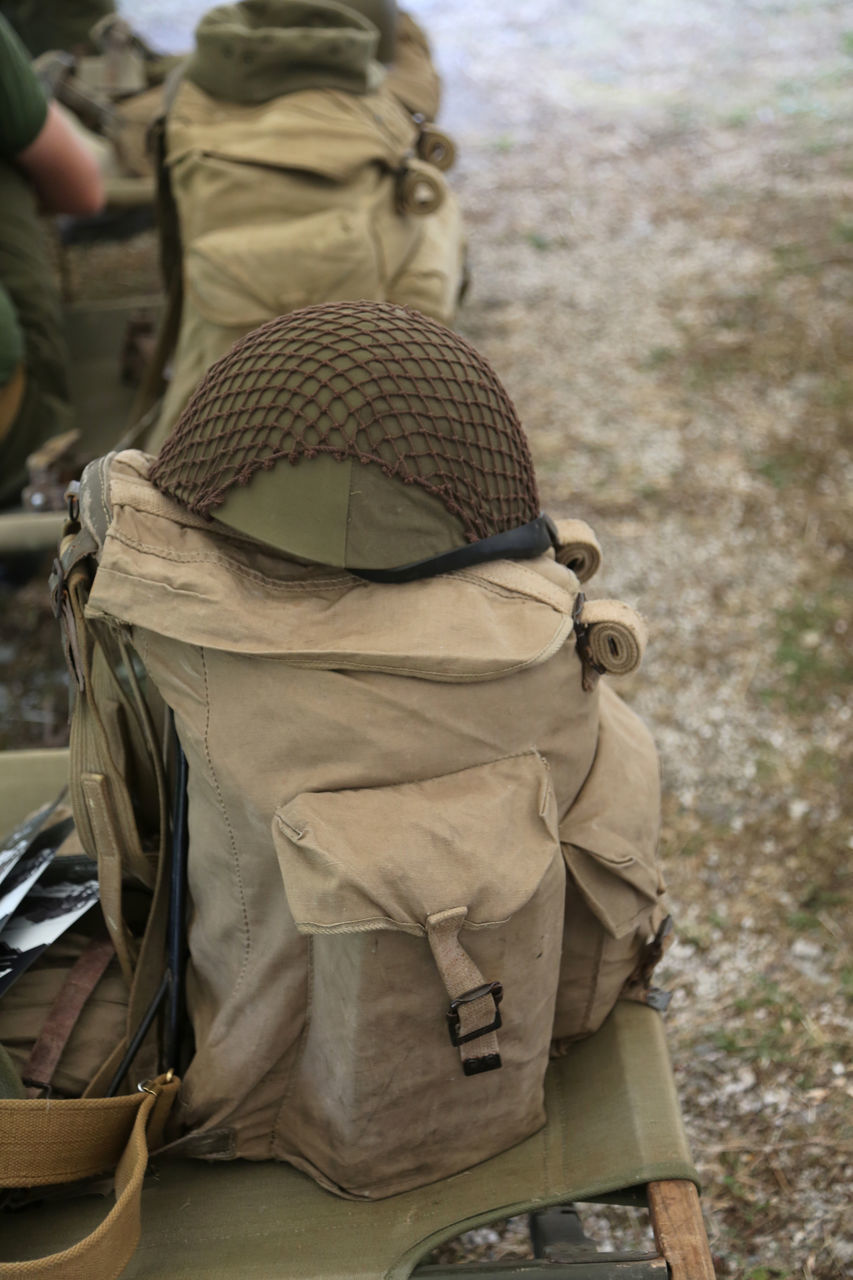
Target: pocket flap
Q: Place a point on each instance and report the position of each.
(195, 581)
(610, 833)
(388, 857)
(242, 276)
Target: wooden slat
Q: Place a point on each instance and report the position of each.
(679, 1230)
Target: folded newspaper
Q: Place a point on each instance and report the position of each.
(40, 895)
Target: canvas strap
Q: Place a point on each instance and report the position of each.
(43, 1142)
(84, 976)
(96, 793)
(474, 1016)
(101, 800)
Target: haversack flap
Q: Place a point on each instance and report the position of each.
(389, 857)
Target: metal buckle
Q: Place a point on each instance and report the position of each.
(72, 498)
(493, 989)
(57, 587)
(46, 1090)
(591, 669)
(144, 1086)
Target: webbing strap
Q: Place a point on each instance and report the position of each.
(96, 793)
(473, 1001)
(84, 976)
(44, 1142)
(103, 671)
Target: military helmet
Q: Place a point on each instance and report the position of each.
(361, 435)
(383, 15)
(256, 50)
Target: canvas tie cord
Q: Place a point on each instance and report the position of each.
(474, 1016)
(43, 1142)
(417, 190)
(578, 548)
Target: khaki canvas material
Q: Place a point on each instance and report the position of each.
(43, 1143)
(412, 76)
(391, 789)
(296, 201)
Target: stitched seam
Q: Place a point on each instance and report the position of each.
(103, 489)
(499, 590)
(531, 586)
(339, 663)
(504, 591)
(163, 553)
(227, 820)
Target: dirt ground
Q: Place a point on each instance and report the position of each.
(660, 206)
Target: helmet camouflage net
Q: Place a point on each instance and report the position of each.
(373, 382)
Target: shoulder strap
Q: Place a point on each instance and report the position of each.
(152, 385)
(48, 1141)
(114, 745)
(44, 1141)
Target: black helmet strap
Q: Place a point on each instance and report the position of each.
(523, 543)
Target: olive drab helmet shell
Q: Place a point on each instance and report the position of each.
(383, 15)
(256, 50)
(355, 434)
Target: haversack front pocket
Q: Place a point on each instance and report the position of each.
(610, 834)
(615, 886)
(435, 913)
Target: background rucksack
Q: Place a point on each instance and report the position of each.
(305, 193)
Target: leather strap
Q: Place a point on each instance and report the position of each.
(44, 1142)
(83, 977)
(95, 788)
